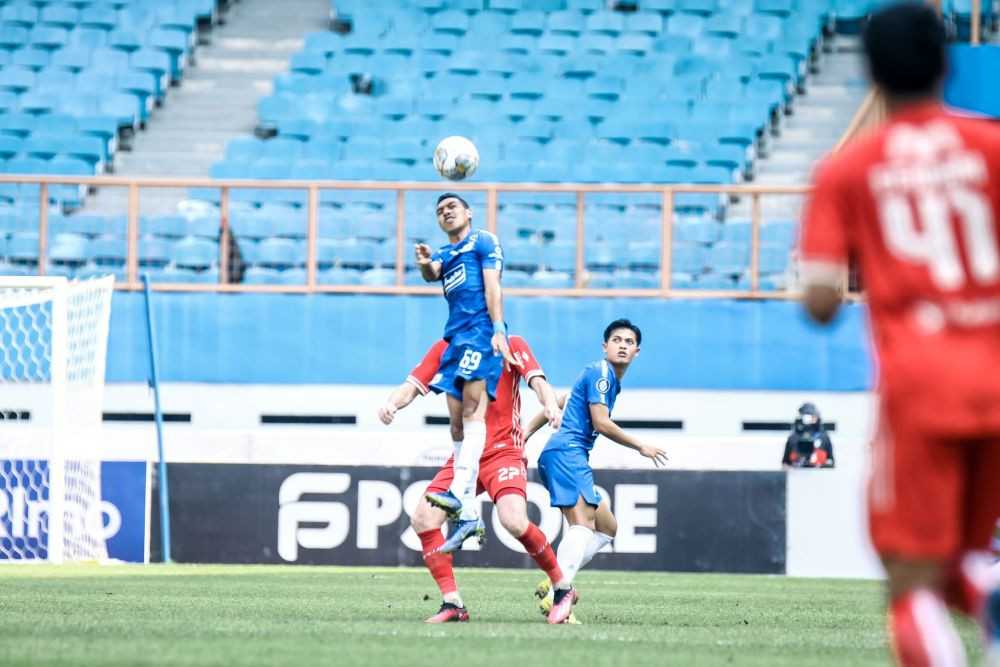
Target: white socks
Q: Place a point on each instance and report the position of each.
(572, 551)
(597, 542)
(463, 485)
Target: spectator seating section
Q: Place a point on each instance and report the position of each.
(679, 92)
(75, 74)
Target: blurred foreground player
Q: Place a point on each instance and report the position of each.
(502, 472)
(564, 464)
(916, 204)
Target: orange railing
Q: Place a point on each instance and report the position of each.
(492, 190)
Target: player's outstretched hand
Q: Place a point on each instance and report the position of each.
(500, 346)
(386, 413)
(423, 253)
(658, 455)
(554, 415)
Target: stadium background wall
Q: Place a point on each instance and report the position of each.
(372, 339)
(688, 521)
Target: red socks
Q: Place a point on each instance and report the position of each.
(538, 548)
(438, 563)
(922, 633)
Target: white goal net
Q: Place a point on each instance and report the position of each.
(53, 345)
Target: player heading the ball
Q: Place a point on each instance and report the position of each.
(469, 269)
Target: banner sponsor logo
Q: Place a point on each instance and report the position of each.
(685, 521)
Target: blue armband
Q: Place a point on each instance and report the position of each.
(499, 328)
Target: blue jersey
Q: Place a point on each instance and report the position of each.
(596, 384)
(462, 267)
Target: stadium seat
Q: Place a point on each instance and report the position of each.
(552, 279)
(195, 254)
(728, 258)
(108, 251)
(339, 276)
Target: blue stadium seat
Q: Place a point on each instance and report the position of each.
(552, 279)
(30, 58)
(108, 251)
(171, 226)
(195, 253)
(773, 258)
(725, 24)
(68, 248)
(9, 145)
(780, 232)
(339, 276)
(125, 40)
(22, 248)
(153, 253)
(686, 25)
(261, 275)
(359, 254)
(730, 258)
(378, 277)
(605, 23)
(47, 37)
(18, 79)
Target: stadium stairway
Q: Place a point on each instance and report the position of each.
(820, 116)
(216, 100)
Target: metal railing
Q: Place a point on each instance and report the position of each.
(666, 193)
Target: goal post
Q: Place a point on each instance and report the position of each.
(53, 348)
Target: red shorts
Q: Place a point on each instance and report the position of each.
(499, 474)
(931, 497)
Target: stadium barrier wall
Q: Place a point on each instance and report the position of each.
(969, 67)
(368, 339)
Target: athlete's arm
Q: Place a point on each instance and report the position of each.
(400, 397)
(429, 269)
(539, 420)
(824, 246)
(494, 305)
(551, 409)
(602, 424)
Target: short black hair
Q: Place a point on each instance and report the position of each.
(623, 323)
(452, 195)
(906, 46)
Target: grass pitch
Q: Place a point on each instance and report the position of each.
(262, 615)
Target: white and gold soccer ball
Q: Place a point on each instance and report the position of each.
(456, 158)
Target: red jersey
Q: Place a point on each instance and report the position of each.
(917, 204)
(503, 417)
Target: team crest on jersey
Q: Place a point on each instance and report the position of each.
(454, 278)
(603, 385)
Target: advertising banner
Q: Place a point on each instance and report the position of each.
(667, 520)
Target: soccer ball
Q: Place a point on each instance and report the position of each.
(456, 158)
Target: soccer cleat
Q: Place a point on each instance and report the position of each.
(545, 606)
(542, 590)
(562, 605)
(462, 531)
(446, 501)
(449, 613)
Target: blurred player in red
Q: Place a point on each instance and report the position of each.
(502, 469)
(916, 204)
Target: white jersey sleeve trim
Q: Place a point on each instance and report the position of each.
(533, 374)
(418, 384)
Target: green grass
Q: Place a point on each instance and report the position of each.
(263, 615)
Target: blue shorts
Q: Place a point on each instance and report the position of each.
(461, 363)
(566, 473)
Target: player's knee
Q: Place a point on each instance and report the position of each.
(514, 519)
(607, 525)
(426, 517)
